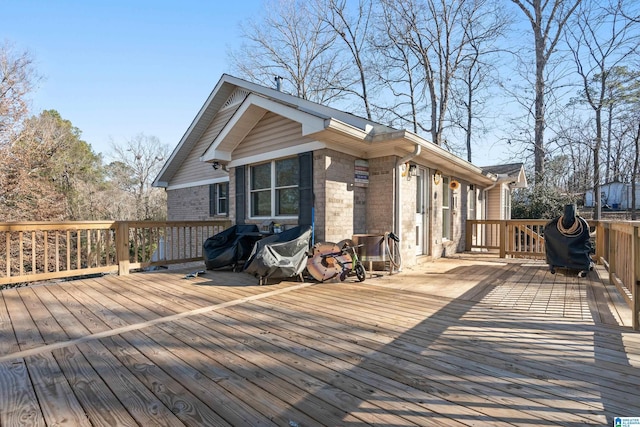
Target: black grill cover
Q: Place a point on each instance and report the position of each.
(567, 249)
(281, 255)
(230, 246)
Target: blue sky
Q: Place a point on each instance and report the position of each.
(119, 68)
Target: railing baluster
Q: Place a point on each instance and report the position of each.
(67, 249)
(21, 247)
(7, 236)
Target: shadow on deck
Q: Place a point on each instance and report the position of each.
(465, 341)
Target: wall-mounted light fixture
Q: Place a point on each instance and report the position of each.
(218, 165)
(437, 176)
(413, 170)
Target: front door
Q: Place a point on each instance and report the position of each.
(422, 211)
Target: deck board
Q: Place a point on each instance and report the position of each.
(466, 341)
(463, 356)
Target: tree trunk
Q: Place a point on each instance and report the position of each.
(634, 176)
(469, 119)
(596, 165)
(539, 110)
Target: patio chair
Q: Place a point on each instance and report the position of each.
(281, 255)
(230, 247)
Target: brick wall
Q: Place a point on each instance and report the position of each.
(408, 219)
(188, 204)
(380, 195)
(342, 209)
(336, 201)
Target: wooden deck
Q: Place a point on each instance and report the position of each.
(467, 341)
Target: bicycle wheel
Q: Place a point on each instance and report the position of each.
(361, 273)
(327, 261)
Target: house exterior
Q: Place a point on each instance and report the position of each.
(255, 154)
(508, 177)
(614, 195)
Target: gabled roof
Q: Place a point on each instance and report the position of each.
(510, 171)
(331, 128)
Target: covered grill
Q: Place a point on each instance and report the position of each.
(567, 242)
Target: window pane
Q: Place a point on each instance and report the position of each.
(261, 176)
(222, 190)
(445, 192)
(446, 214)
(287, 172)
(287, 201)
(222, 206)
(261, 203)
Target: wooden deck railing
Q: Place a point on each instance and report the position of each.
(31, 251)
(617, 246)
(515, 238)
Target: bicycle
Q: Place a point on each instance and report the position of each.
(356, 264)
(330, 260)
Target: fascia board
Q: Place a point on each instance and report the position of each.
(311, 124)
(276, 154)
(160, 180)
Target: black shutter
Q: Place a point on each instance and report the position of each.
(305, 187)
(212, 200)
(240, 195)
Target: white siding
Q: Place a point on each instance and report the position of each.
(494, 203)
(194, 170)
(273, 132)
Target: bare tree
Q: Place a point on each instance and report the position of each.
(547, 19)
(601, 40)
(398, 72)
(636, 172)
(48, 171)
(293, 42)
(477, 69)
(353, 30)
(17, 79)
(438, 34)
(139, 161)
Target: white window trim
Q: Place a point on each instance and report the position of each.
(445, 187)
(198, 183)
(273, 190)
(218, 198)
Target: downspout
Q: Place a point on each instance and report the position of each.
(501, 177)
(397, 203)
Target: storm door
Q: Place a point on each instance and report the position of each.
(422, 211)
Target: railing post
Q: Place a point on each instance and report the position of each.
(635, 286)
(600, 242)
(503, 238)
(122, 247)
(467, 240)
(611, 253)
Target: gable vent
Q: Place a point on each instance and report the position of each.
(236, 98)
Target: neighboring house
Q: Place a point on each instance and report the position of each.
(255, 154)
(509, 177)
(613, 195)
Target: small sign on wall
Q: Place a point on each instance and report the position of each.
(361, 173)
